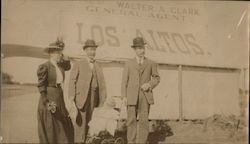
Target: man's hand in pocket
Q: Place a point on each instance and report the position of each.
(73, 111)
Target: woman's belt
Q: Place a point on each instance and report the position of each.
(58, 85)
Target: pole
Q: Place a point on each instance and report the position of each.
(180, 92)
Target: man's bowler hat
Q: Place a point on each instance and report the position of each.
(90, 43)
(138, 42)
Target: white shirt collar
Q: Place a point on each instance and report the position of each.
(53, 62)
(89, 59)
(59, 76)
(90, 64)
(138, 59)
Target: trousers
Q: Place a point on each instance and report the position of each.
(137, 132)
(84, 116)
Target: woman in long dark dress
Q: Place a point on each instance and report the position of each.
(54, 124)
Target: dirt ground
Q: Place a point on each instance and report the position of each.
(192, 132)
(19, 123)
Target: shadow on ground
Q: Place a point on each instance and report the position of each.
(160, 130)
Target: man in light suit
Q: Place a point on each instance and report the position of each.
(87, 90)
(140, 77)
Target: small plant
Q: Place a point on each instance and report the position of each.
(161, 130)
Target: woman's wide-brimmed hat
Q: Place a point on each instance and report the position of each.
(138, 42)
(90, 43)
(55, 46)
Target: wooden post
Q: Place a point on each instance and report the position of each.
(244, 80)
(244, 99)
(180, 92)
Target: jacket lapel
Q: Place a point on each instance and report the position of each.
(142, 67)
(144, 64)
(96, 67)
(88, 66)
(52, 67)
(62, 71)
(136, 65)
(52, 71)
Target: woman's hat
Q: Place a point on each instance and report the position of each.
(138, 42)
(55, 46)
(90, 43)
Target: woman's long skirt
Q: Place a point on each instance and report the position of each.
(54, 127)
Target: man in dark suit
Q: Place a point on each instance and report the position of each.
(87, 90)
(140, 77)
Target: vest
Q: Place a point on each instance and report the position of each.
(94, 82)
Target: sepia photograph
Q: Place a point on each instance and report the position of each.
(124, 72)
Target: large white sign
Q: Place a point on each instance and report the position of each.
(193, 33)
(176, 33)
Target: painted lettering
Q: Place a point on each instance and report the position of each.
(111, 31)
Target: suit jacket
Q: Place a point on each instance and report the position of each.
(47, 74)
(80, 80)
(132, 80)
(46, 84)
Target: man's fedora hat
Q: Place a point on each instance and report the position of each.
(55, 46)
(90, 43)
(138, 42)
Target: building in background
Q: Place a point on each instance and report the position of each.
(201, 47)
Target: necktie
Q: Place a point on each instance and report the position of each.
(92, 60)
(140, 61)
